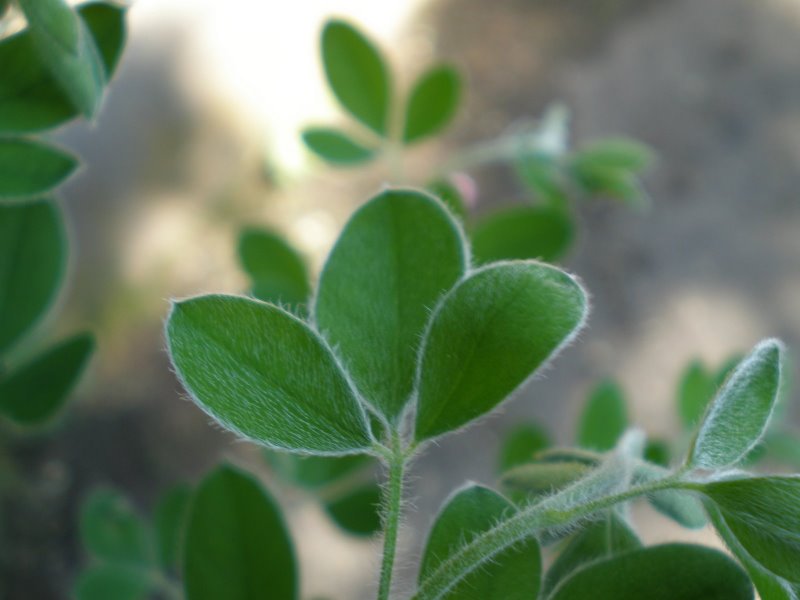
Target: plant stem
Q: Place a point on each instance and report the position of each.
(525, 524)
(392, 502)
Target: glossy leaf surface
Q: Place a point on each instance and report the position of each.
(30, 168)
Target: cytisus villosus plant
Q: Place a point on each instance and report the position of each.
(406, 341)
(53, 71)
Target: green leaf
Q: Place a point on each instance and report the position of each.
(488, 335)
(522, 232)
(357, 511)
(170, 521)
(615, 154)
(265, 375)
(356, 74)
(695, 391)
(432, 103)
(32, 393)
(681, 506)
(615, 184)
(514, 574)
(543, 175)
(68, 50)
(32, 260)
(450, 195)
(521, 444)
(769, 585)
(657, 452)
(396, 257)
(738, 417)
(600, 539)
(604, 418)
(30, 168)
(666, 572)
(763, 514)
(538, 478)
(276, 269)
(30, 98)
(784, 447)
(336, 147)
(119, 582)
(112, 531)
(106, 22)
(237, 545)
(313, 472)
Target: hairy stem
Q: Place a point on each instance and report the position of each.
(556, 511)
(392, 503)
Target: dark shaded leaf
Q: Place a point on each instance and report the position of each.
(521, 444)
(32, 260)
(666, 572)
(33, 392)
(29, 168)
(237, 546)
(276, 269)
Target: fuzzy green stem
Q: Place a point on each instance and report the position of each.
(392, 503)
(525, 524)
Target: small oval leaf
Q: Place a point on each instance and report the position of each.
(265, 375)
(738, 416)
(357, 74)
(32, 260)
(514, 574)
(432, 103)
(358, 510)
(237, 545)
(523, 232)
(604, 418)
(112, 531)
(32, 393)
(396, 257)
(336, 147)
(30, 168)
(488, 335)
(276, 269)
(170, 521)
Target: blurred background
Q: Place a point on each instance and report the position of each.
(199, 136)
